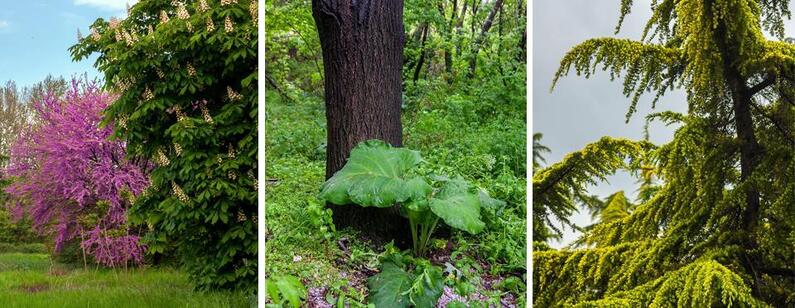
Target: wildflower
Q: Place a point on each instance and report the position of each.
(163, 17)
(228, 2)
(232, 175)
(177, 149)
(150, 29)
(203, 5)
(79, 35)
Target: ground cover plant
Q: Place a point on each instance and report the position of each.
(712, 224)
(454, 130)
(35, 280)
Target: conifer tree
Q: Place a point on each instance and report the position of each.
(719, 229)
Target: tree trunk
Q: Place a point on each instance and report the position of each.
(448, 52)
(750, 151)
(362, 43)
(418, 67)
(473, 59)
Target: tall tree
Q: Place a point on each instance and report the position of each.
(362, 43)
(186, 74)
(720, 229)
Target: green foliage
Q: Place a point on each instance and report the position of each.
(396, 286)
(22, 248)
(710, 227)
(558, 188)
(374, 175)
(284, 290)
(187, 79)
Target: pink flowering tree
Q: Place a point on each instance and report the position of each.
(74, 180)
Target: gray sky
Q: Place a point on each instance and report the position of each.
(580, 110)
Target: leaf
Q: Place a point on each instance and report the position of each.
(389, 287)
(488, 202)
(374, 176)
(432, 287)
(458, 207)
(291, 288)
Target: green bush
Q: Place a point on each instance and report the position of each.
(22, 248)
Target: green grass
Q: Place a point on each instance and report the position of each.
(33, 280)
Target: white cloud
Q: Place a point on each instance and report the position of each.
(111, 5)
(3, 24)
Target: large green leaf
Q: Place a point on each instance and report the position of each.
(375, 176)
(458, 207)
(395, 287)
(428, 287)
(290, 288)
(389, 287)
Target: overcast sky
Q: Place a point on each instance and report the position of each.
(580, 110)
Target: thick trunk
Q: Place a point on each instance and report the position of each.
(362, 43)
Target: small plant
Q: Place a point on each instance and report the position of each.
(380, 175)
(284, 291)
(404, 281)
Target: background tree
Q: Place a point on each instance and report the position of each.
(65, 172)
(16, 116)
(186, 75)
(362, 44)
(719, 229)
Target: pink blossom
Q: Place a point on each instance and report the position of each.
(66, 165)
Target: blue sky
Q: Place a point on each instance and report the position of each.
(35, 36)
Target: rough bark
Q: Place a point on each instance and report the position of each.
(362, 43)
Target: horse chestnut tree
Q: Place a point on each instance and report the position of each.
(186, 74)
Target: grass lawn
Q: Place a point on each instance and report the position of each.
(33, 280)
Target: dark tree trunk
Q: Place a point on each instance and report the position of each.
(750, 151)
(423, 52)
(484, 30)
(362, 43)
(448, 52)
